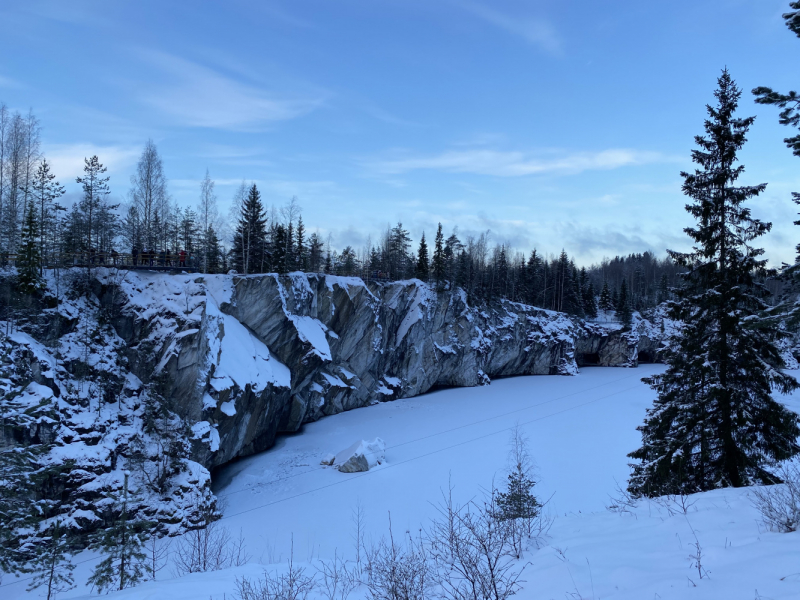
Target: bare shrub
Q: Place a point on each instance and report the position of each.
(675, 503)
(779, 504)
(339, 579)
(292, 585)
(473, 552)
(358, 519)
(623, 501)
(398, 571)
(209, 548)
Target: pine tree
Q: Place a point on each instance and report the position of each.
(589, 303)
(715, 423)
(188, 233)
(348, 261)
(518, 502)
(279, 237)
(213, 252)
(438, 257)
(501, 267)
(51, 565)
(46, 190)
(301, 252)
(623, 306)
(23, 470)
(790, 116)
(315, 250)
(423, 269)
(123, 544)
(663, 289)
(399, 244)
(95, 190)
(28, 258)
(790, 103)
(249, 239)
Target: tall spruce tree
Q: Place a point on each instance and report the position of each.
(589, 303)
(46, 190)
(95, 191)
(28, 258)
(715, 422)
(438, 263)
(623, 305)
(605, 302)
(790, 102)
(423, 268)
(790, 116)
(249, 239)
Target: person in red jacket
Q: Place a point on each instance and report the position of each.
(182, 257)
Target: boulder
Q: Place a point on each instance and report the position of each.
(361, 456)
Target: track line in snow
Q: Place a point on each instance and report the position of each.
(433, 435)
(408, 460)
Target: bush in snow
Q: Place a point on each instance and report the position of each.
(398, 571)
(779, 504)
(209, 548)
(473, 551)
(292, 585)
(338, 578)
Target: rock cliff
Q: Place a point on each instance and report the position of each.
(247, 358)
(242, 359)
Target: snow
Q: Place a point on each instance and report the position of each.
(241, 357)
(422, 296)
(335, 381)
(312, 331)
(346, 283)
(580, 430)
(203, 430)
(38, 349)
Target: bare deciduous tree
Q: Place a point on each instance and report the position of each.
(149, 195)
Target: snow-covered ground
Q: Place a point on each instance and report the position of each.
(580, 430)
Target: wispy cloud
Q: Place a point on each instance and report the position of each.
(197, 96)
(515, 164)
(66, 160)
(533, 30)
(7, 82)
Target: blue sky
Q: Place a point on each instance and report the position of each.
(553, 124)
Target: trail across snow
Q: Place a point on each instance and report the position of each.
(580, 430)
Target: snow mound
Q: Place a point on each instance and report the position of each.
(361, 456)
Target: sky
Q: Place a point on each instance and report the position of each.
(550, 124)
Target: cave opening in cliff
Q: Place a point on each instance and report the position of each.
(645, 357)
